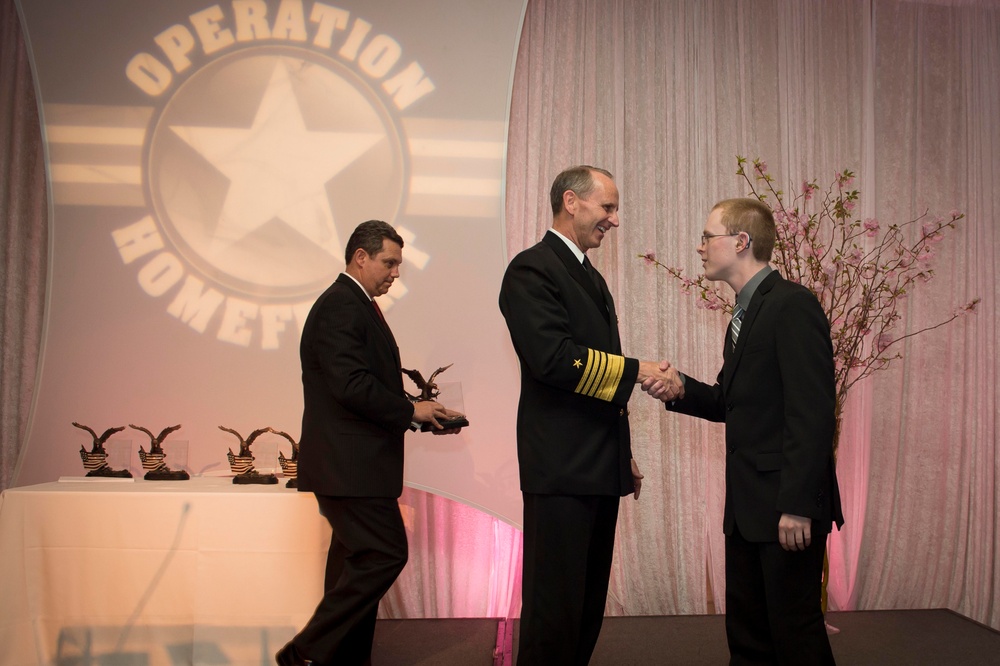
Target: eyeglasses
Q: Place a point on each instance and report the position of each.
(707, 237)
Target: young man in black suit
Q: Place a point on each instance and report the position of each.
(351, 450)
(573, 444)
(776, 395)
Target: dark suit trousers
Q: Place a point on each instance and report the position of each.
(368, 550)
(568, 545)
(773, 612)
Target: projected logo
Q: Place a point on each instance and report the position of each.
(257, 163)
(271, 130)
(260, 162)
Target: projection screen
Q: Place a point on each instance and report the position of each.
(207, 163)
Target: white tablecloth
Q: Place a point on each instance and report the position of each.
(143, 572)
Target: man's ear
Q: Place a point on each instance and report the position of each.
(570, 201)
(744, 239)
(359, 257)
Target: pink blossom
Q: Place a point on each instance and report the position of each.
(844, 180)
(871, 227)
(814, 250)
(650, 258)
(849, 206)
(970, 307)
(926, 255)
(855, 256)
(932, 232)
(706, 302)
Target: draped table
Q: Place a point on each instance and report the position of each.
(148, 572)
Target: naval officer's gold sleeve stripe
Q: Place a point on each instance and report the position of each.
(593, 372)
(613, 377)
(581, 387)
(602, 375)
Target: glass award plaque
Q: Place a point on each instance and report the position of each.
(242, 462)
(449, 394)
(105, 458)
(154, 459)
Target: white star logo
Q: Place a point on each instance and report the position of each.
(277, 168)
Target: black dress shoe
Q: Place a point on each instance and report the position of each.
(289, 656)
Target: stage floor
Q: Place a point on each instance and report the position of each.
(867, 638)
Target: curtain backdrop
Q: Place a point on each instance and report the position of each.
(23, 239)
(665, 94)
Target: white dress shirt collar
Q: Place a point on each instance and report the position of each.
(363, 290)
(570, 244)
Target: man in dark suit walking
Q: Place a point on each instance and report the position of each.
(573, 444)
(351, 449)
(776, 395)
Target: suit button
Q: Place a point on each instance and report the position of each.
(729, 407)
(731, 450)
(621, 412)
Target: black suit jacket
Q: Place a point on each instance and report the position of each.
(356, 412)
(776, 395)
(572, 426)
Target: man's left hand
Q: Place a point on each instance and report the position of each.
(794, 532)
(636, 478)
(450, 414)
(428, 411)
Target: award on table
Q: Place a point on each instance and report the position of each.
(242, 463)
(153, 460)
(95, 461)
(429, 390)
(289, 466)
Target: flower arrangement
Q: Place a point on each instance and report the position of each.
(860, 270)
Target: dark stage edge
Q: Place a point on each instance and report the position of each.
(936, 637)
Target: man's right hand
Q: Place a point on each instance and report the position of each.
(428, 411)
(660, 380)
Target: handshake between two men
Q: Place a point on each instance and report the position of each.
(660, 380)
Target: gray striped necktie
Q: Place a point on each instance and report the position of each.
(734, 325)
